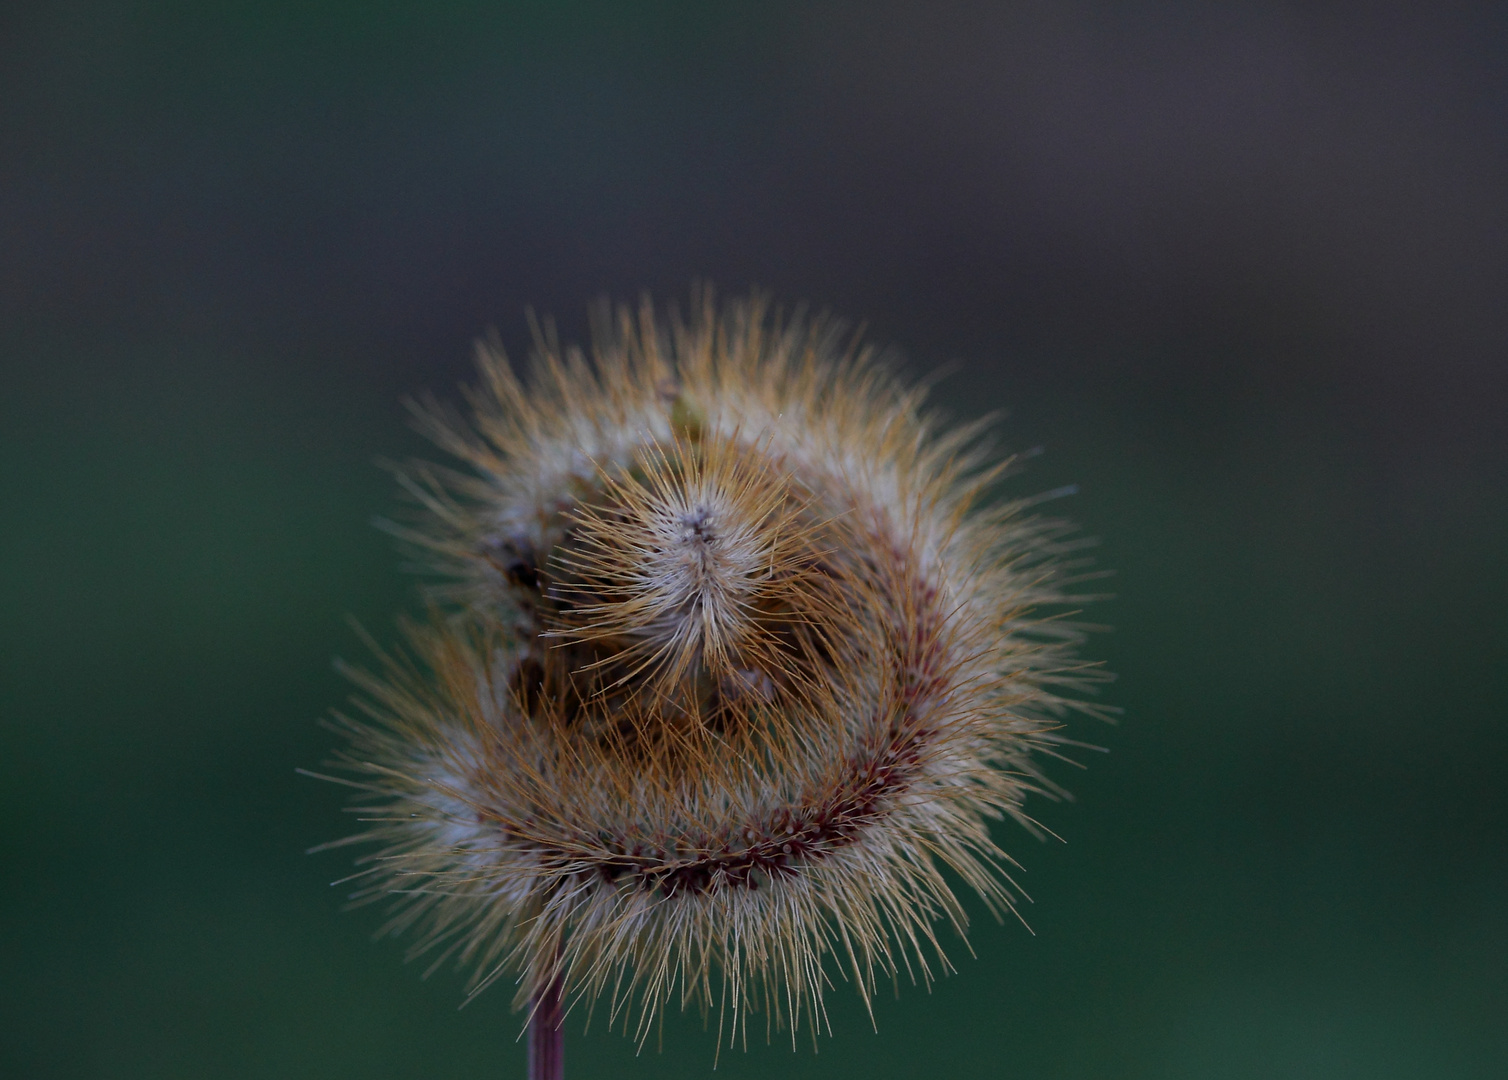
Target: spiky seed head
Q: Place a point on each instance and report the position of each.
(731, 659)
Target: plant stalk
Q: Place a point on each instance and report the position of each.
(546, 1035)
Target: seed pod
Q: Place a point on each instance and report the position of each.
(731, 659)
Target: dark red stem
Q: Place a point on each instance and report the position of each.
(546, 1052)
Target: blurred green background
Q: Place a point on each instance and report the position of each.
(1240, 269)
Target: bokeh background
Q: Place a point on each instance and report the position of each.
(1241, 270)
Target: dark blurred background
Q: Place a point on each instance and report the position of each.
(1240, 268)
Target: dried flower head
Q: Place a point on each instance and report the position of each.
(732, 660)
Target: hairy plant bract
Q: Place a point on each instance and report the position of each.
(734, 652)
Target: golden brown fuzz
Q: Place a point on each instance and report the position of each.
(731, 660)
